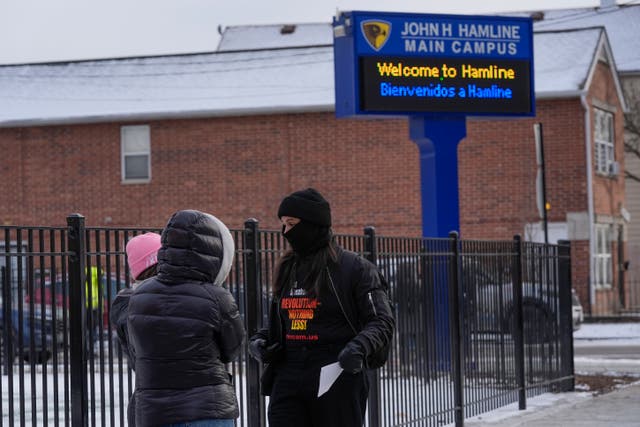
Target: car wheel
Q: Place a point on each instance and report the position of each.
(2, 344)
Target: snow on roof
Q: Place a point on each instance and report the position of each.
(621, 22)
(562, 60)
(277, 79)
(284, 80)
(249, 37)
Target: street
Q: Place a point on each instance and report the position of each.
(607, 348)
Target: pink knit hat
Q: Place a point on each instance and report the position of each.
(142, 252)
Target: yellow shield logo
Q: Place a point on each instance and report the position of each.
(376, 33)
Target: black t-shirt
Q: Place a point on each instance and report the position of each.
(309, 319)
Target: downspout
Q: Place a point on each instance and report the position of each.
(590, 208)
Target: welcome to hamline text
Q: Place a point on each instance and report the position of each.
(467, 71)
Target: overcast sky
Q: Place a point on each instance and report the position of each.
(61, 30)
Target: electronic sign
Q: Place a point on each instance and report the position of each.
(411, 64)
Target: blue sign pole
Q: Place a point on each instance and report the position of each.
(437, 140)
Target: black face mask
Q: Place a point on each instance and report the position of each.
(306, 238)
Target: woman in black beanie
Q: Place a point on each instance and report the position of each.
(328, 306)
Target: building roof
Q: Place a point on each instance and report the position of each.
(257, 70)
(249, 37)
(203, 85)
(564, 60)
(621, 22)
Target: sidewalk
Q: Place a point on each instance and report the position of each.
(620, 408)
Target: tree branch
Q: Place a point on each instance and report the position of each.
(632, 177)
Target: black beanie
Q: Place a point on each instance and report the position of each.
(308, 205)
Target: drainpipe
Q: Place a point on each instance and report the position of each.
(592, 241)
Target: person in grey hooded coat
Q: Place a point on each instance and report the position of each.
(184, 326)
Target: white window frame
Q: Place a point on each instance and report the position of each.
(603, 260)
(604, 142)
(143, 149)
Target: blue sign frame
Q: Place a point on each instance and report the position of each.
(398, 64)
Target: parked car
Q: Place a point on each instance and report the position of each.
(488, 293)
(36, 330)
(576, 310)
(109, 288)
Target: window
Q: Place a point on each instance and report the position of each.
(604, 142)
(135, 143)
(603, 266)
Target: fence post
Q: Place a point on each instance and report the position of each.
(518, 322)
(7, 326)
(566, 315)
(77, 256)
(375, 406)
(455, 331)
(253, 293)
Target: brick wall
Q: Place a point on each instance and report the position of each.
(241, 167)
(235, 168)
(609, 192)
(497, 169)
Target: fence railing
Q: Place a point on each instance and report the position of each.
(480, 324)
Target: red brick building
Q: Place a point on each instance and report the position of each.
(129, 141)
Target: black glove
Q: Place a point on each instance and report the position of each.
(351, 358)
(263, 354)
(258, 348)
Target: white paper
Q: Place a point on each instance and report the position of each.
(328, 375)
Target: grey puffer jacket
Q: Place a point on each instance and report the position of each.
(184, 326)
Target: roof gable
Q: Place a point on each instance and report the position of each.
(565, 62)
(604, 53)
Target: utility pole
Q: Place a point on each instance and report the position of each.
(541, 185)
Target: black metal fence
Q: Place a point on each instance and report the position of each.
(480, 324)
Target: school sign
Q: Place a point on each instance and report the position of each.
(407, 64)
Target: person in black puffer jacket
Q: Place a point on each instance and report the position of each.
(184, 326)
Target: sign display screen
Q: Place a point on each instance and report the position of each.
(407, 64)
(389, 84)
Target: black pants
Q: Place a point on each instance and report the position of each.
(91, 329)
(294, 402)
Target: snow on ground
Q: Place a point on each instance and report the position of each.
(543, 402)
(622, 333)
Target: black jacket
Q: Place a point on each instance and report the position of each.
(118, 314)
(364, 300)
(183, 327)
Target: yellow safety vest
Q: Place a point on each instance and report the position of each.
(94, 279)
